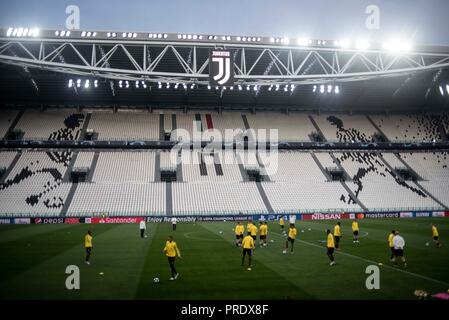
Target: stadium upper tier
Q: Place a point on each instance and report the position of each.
(227, 126)
(85, 183)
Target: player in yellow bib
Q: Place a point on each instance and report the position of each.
(337, 235)
(263, 233)
(291, 238)
(391, 245)
(355, 231)
(330, 245)
(435, 236)
(239, 230)
(248, 246)
(88, 245)
(172, 252)
(282, 224)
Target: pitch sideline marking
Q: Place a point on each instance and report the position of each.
(371, 261)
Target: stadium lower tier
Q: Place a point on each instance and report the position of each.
(163, 183)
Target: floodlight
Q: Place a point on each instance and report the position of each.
(70, 83)
(303, 41)
(337, 89)
(87, 84)
(322, 88)
(441, 91)
(9, 32)
(362, 44)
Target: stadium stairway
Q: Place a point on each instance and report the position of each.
(245, 177)
(14, 122)
(245, 122)
(377, 128)
(157, 167)
(203, 169)
(179, 177)
(317, 128)
(174, 125)
(168, 199)
(318, 163)
(11, 166)
(161, 127)
(85, 126)
(93, 166)
(264, 197)
(217, 165)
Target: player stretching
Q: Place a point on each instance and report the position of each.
(171, 251)
(88, 245)
(330, 247)
(291, 238)
(337, 235)
(399, 245)
(391, 245)
(355, 231)
(263, 231)
(248, 246)
(239, 230)
(435, 236)
(281, 224)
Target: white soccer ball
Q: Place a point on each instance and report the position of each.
(427, 244)
(220, 232)
(156, 280)
(271, 240)
(310, 229)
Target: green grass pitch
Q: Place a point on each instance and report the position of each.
(34, 258)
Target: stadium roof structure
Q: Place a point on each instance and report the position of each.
(104, 68)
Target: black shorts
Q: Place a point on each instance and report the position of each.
(88, 249)
(337, 239)
(392, 249)
(435, 238)
(247, 252)
(291, 240)
(262, 237)
(398, 252)
(356, 233)
(254, 237)
(330, 250)
(239, 236)
(282, 226)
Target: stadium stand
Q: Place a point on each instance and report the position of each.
(291, 127)
(34, 186)
(51, 125)
(125, 125)
(346, 128)
(123, 167)
(118, 199)
(380, 188)
(407, 128)
(217, 198)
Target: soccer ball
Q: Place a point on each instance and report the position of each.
(427, 244)
(156, 280)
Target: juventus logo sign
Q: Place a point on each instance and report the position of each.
(221, 68)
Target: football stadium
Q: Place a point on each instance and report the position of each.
(219, 165)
